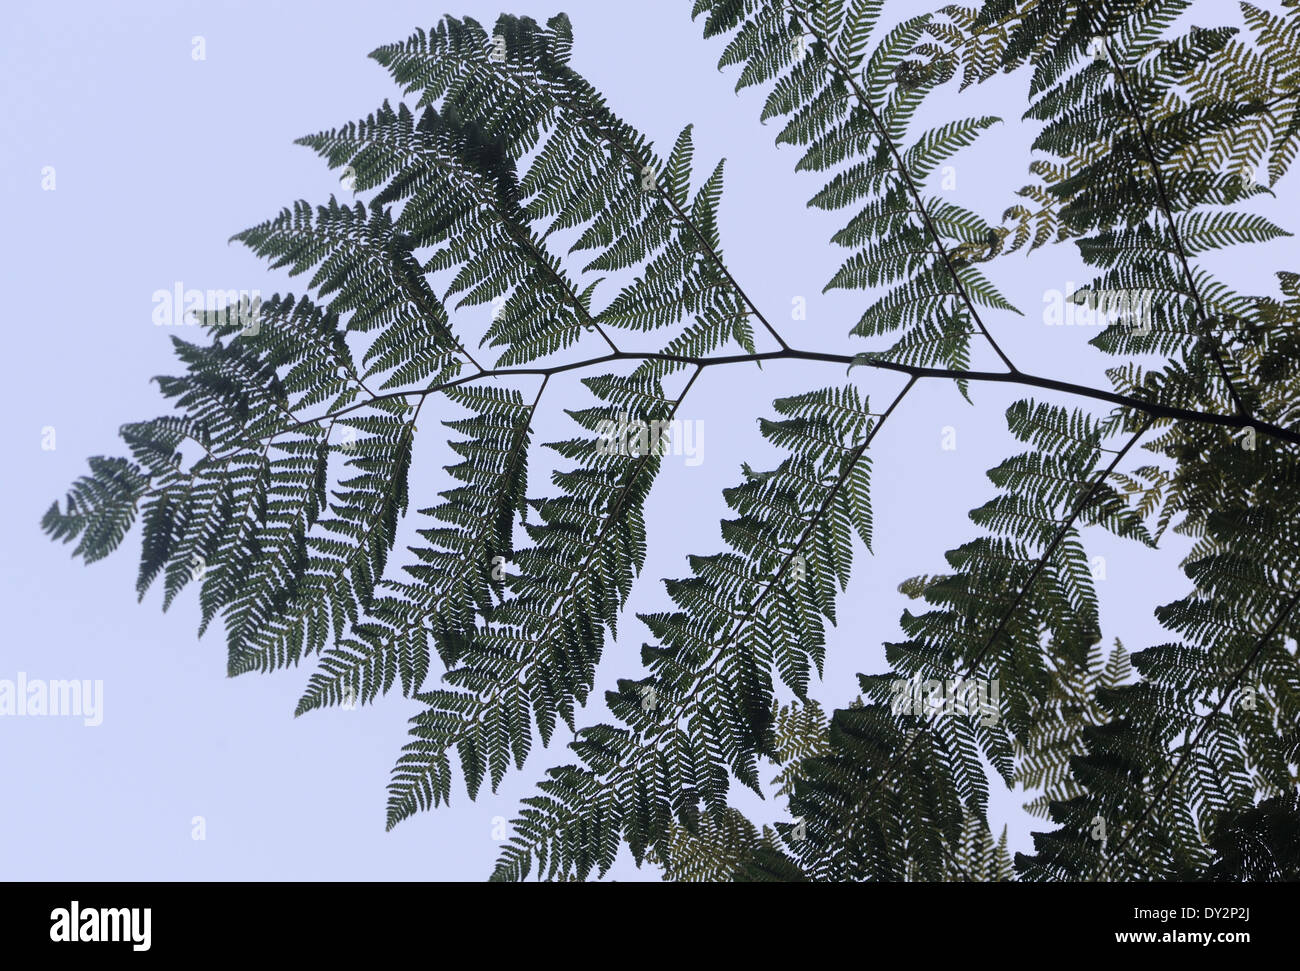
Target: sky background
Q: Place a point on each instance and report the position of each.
(159, 158)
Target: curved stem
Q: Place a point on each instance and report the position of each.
(1150, 408)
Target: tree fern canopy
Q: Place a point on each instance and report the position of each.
(1154, 141)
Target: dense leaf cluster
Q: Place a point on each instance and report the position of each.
(1178, 761)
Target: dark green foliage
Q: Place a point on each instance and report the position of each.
(755, 611)
(1176, 761)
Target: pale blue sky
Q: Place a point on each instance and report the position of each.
(159, 159)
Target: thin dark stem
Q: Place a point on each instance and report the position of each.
(1149, 408)
(566, 290)
(1131, 105)
(973, 664)
(557, 615)
(1061, 533)
(704, 244)
(847, 467)
(1188, 747)
(912, 190)
(412, 284)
